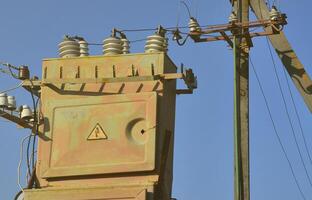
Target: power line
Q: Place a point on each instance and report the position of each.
(13, 88)
(276, 132)
(20, 161)
(298, 117)
(288, 114)
(131, 41)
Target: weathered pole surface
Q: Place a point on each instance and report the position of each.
(241, 103)
(287, 55)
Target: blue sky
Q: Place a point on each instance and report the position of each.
(31, 30)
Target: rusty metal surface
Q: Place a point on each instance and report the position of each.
(88, 193)
(230, 30)
(108, 134)
(16, 119)
(287, 55)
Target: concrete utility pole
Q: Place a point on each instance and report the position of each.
(236, 34)
(241, 103)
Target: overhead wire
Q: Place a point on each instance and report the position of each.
(32, 138)
(35, 104)
(298, 117)
(131, 41)
(288, 113)
(13, 88)
(5, 71)
(10, 67)
(276, 132)
(187, 8)
(20, 162)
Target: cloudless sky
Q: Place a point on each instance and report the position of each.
(30, 31)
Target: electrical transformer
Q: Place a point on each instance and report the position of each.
(107, 127)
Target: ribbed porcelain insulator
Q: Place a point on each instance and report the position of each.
(274, 14)
(166, 44)
(11, 103)
(194, 26)
(125, 46)
(155, 43)
(3, 100)
(69, 48)
(233, 18)
(26, 113)
(112, 46)
(84, 48)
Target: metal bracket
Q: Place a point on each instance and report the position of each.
(233, 29)
(15, 119)
(187, 76)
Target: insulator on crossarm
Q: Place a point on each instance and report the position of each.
(26, 113)
(3, 100)
(125, 45)
(23, 73)
(233, 18)
(11, 103)
(69, 47)
(193, 25)
(112, 46)
(274, 13)
(84, 48)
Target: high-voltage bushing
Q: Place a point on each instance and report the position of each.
(194, 25)
(84, 48)
(11, 103)
(112, 46)
(166, 44)
(274, 13)
(3, 100)
(157, 42)
(69, 47)
(125, 45)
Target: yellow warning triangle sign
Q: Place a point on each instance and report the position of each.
(97, 133)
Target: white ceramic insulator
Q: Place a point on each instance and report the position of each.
(3, 100)
(274, 14)
(26, 113)
(69, 48)
(11, 103)
(155, 43)
(166, 44)
(84, 48)
(233, 18)
(125, 46)
(194, 26)
(112, 46)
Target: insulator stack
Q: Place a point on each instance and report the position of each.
(69, 48)
(155, 43)
(166, 44)
(112, 46)
(3, 100)
(233, 18)
(274, 13)
(193, 25)
(84, 48)
(26, 113)
(125, 46)
(11, 103)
